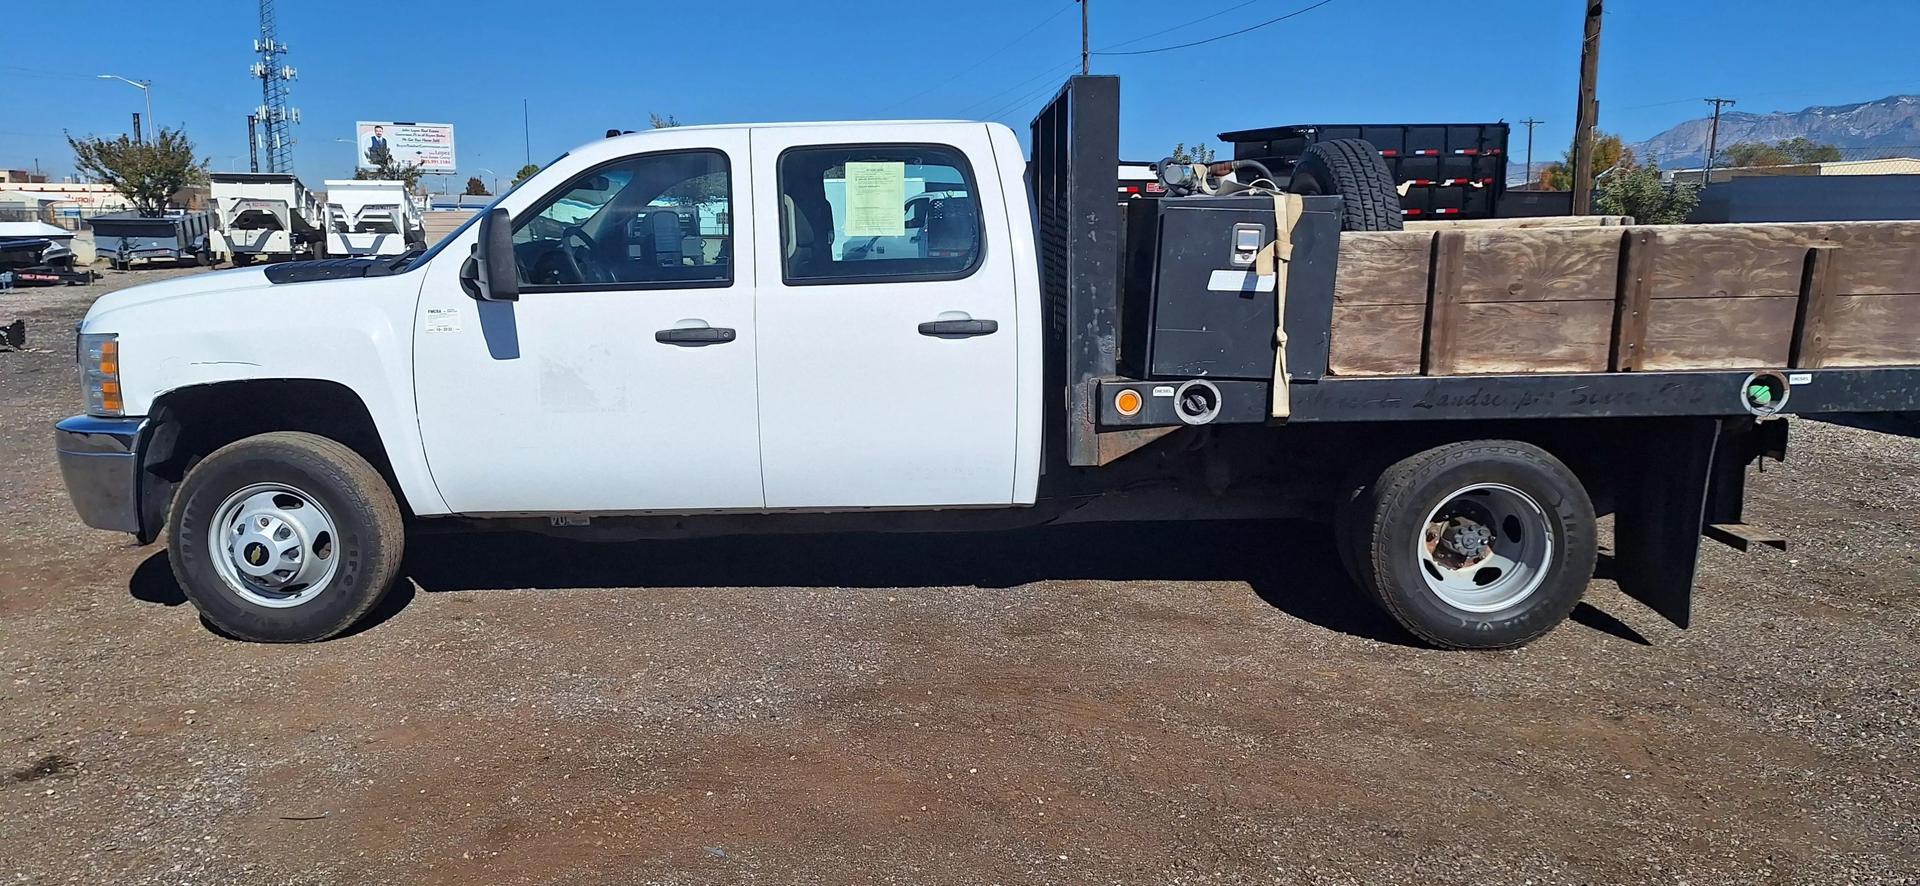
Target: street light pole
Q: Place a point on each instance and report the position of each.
(146, 89)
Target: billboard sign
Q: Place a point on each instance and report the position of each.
(428, 144)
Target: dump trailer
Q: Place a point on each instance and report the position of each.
(371, 217)
(1444, 170)
(1459, 404)
(265, 216)
(129, 237)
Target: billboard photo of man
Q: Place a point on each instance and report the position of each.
(427, 145)
(376, 144)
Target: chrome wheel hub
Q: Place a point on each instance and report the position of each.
(274, 545)
(1486, 548)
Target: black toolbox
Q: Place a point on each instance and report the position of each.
(1190, 304)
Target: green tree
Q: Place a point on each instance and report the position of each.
(659, 122)
(146, 173)
(386, 168)
(1637, 191)
(1199, 153)
(1785, 152)
(476, 187)
(526, 172)
(1608, 151)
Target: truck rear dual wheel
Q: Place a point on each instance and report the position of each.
(285, 537)
(1486, 544)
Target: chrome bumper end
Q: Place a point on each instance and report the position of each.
(100, 461)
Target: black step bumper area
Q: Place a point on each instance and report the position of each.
(100, 461)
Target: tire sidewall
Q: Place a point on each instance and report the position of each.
(1403, 585)
(356, 545)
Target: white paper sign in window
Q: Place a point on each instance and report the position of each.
(876, 194)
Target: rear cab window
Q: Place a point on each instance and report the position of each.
(878, 213)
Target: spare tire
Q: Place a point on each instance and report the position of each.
(1354, 170)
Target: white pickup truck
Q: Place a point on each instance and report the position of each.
(663, 333)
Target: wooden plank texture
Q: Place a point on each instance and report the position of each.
(1547, 221)
(1722, 261)
(1816, 304)
(1377, 339)
(1508, 337)
(1720, 333)
(1635, 299)
(1879, 258)
(1443, 304)
(1554, 264)
(1873, 330)
(1383, 268)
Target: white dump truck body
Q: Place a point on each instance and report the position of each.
(371, 217)
(264, 216)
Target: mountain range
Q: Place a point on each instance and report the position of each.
(1889, 127)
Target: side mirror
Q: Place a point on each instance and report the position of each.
(493, 271)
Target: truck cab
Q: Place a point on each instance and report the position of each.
(686, 318)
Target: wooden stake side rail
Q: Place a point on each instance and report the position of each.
(1468, 301)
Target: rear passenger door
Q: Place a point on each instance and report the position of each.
(885, 312)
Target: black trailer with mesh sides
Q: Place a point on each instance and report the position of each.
(1448, 170)
(1463, 403)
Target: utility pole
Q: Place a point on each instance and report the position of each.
(1085, 54)
(1586, 119)
(136, 128)
(526, 131)
(1713, 138)
(1531, 123)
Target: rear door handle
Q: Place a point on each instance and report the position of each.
(698, 336)
(959, 328)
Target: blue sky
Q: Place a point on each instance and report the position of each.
(587, 65)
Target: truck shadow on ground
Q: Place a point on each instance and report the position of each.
(1289, 566)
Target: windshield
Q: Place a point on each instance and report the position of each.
(429, 255)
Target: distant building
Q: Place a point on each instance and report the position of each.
(1887, 166)
(20, 176)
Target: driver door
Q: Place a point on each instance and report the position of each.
(623, 380)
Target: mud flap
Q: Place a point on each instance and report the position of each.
(1658, 519)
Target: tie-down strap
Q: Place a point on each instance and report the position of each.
(1272, 261)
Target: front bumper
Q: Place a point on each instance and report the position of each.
(100, 461)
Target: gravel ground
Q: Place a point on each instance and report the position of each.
(1066, 706)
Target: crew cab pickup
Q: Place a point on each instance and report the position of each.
(886, 325)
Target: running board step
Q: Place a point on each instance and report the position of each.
(1742, 536)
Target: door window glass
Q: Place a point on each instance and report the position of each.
(877, 213)
(656, 220)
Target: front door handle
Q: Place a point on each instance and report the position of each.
(959, 328)
(695, 337)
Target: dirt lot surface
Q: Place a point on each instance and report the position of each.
(1095, 705)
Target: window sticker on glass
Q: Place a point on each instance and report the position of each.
(875, 193)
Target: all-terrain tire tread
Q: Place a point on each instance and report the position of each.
(1354, 169)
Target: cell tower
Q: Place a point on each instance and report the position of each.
(275, 116)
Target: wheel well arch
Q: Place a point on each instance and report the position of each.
(191, 422)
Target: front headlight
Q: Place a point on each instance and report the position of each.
(100, 361)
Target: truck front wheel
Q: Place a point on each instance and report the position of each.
(285, 537)
(1486, 544)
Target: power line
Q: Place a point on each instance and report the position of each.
(983, 60)
(1043, 89)
(1057, 69)
(1249, 29)
(1164, 31)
